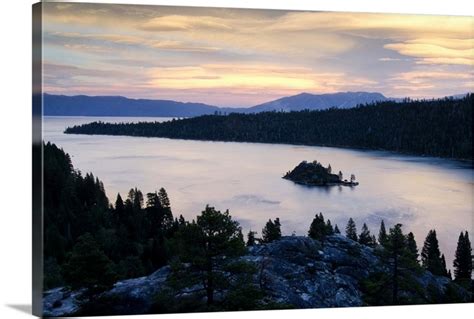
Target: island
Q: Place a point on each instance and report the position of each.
(315, 174)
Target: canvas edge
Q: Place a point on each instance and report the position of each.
(37, 161)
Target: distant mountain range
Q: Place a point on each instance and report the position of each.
(82, 105)
(319, 101)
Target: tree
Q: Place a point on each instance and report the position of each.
(431, 256)
(119, 203)
(164, 199)
(351, 230)
(271, 231)
(396, 245)
(382, 287)
(329, 169)
(463, 258)
(136, 198)
(353, 178)
(318, 228)
(251, 241)
(365, 238)
(336, 230)
(412, 247)
(208, 246)
(88, 267)
(329, 228)
(443, 266)
(340, 176)
(382, 234)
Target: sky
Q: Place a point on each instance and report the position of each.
(241, 57)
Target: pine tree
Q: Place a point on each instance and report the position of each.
(336, 230)
(443, 266)
(382, 234)
(431, 256)
(251, 241)
(365, 238)
(374, 241)
(271, 231)
(164, 199)
(88, 266)
(412, 247)
(318, 228)
(329, 229)
(463, 259)
(351, 230)
(119, 203)
(207, 246)
(396, 247)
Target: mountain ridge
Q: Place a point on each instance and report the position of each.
(85, 105)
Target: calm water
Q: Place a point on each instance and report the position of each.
(421, 193)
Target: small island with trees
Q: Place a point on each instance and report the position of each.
(315, 174)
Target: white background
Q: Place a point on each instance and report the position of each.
(15, 153)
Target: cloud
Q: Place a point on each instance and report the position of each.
(244, 57)
(375, 24)
(437, 51)
(388, 59)
(185, 23)
(429, 82)
(253, 77)
(100, 43)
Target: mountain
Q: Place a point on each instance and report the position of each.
(318, 101)
(82, 105)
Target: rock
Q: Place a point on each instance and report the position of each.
(139, 294)
(296, 271)
(60, 302)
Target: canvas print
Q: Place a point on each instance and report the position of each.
(207, 159)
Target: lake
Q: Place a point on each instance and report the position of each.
(421, 193)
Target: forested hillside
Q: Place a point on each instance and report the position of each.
(81, 228)
(440, 128)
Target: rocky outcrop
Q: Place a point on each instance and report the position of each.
(296, 271)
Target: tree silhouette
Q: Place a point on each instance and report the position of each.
(351, 230)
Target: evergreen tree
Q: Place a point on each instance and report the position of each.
(336, 230)
(351, 230)
(443, 266)
(382, 287)
(374, 241)
(396, 246)
(463, 258)
(271, 231)
(329, 229)
(365, 238)
(208, 246)
(88, 267)
(318, 228)
(382, 234)
(119, 203)
(431, 256)
(164, 199)
(251, 241)
(412, 247)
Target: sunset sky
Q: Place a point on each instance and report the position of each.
(236, 57)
